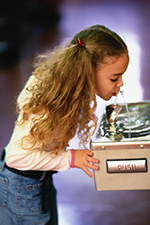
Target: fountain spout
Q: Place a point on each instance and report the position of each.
(112, 112)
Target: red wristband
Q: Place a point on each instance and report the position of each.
(72, 158)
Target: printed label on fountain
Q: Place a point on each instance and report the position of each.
(126, 166)
(125, 122)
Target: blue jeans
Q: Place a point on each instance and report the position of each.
(26, 201)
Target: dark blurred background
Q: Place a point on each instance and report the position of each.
(29, 27)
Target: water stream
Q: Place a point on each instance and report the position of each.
(128, 113)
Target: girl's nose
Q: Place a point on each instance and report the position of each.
(120, 82)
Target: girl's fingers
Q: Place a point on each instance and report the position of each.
(92, 160)
(85, 169)
(91, 166)
(85, 161)
(90, 153)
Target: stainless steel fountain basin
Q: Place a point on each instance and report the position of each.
(124, 162)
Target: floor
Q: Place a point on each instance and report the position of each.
(78, 201)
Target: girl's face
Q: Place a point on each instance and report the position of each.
(109, 76)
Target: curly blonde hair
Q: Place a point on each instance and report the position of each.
(64, 91)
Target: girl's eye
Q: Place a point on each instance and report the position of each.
(114, 80)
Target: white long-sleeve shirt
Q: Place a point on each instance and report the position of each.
(22, 159)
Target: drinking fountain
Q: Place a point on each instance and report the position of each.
(122, 145)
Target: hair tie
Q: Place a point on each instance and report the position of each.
(80, 42)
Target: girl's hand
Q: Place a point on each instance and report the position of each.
(83, 160)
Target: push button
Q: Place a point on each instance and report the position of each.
(126, 165)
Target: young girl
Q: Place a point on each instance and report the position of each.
(58, 102)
